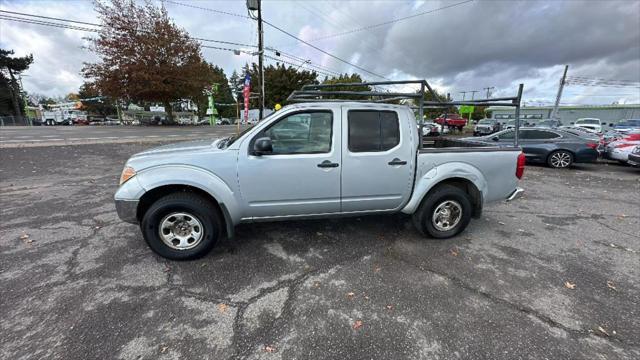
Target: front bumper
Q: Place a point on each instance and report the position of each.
(634, 159)
(615, 154)
(127, 210)
(516, 194)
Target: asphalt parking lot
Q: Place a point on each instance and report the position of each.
(555, 274)
(46, 136)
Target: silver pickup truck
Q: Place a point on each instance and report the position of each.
(312, 160)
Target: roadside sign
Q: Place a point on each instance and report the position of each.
(466, 109)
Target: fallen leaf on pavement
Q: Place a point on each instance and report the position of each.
(350, 295)
(603, 331)
(500, 222)
(357, 325)
(454, 251)
(222, 307)
(24, 236)
(611, 286)
(569, 285)
(163, 349)
(167, 268)
(316, 284)
(389, 307)
(377, 269)
(270, 349)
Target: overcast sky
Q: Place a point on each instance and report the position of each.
(467, 46)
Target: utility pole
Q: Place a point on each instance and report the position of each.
(463, 94)
(489, 88)
(554, 112)
(473, 93)
(256, 5)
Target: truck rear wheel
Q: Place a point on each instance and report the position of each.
(444, 213)
(181, 226)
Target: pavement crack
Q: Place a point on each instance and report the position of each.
(515, 306)
(617, 230)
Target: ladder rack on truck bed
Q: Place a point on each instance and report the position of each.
(318, 93)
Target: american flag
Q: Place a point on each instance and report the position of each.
(246, 92)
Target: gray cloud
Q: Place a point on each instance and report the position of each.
(483, 43)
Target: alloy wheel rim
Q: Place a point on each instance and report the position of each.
(181, 231)
(447, 215)
(560, 159)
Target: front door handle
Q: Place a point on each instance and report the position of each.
(397, 161)
(328, 164)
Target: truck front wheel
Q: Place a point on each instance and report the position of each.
(444, 213)
(181, 226)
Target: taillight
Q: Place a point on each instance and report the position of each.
(592, 145)
(520, 166)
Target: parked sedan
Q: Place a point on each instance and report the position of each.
(619, 150)
(554, 147)
(486, 127)
(627, 126)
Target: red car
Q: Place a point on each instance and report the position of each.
(452, 121)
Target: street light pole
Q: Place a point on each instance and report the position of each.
(260, 58)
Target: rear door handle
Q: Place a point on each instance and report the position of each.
(328, 164)
(397, 161)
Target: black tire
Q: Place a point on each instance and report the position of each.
(423, 217)
(560, 159)
(196, 206)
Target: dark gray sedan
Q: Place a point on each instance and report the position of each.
(554, 147)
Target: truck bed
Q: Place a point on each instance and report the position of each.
(443, 144)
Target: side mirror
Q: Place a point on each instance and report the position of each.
(262, 146)
(495, 138)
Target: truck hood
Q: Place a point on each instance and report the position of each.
(180, 148)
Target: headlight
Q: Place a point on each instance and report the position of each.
(127, 173)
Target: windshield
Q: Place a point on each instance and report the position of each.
(589, 121)
(485, 122)
(231, 139)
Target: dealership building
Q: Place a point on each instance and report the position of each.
(609, 114)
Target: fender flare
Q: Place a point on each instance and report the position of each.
(199, 178)
(440, 173)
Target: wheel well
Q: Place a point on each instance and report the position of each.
(153, 195)
(467, 186)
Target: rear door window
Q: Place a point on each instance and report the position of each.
(373, 130)
(538, 135)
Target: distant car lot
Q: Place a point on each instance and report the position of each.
(553, 275)
(17, 136)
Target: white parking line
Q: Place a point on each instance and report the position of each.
(15, 141)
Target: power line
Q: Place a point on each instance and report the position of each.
(100, 26)
(297, 58)
(294, 64)
(369, 27)
(323, 51)
(46, 23)
(208, 9)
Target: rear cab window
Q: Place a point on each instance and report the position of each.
(373, 130)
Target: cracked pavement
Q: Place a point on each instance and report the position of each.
(77, 283)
